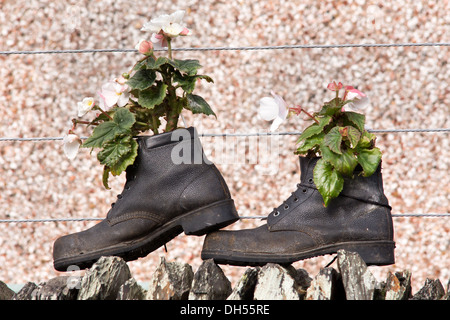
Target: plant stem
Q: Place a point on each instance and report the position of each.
(103, 112)
(309, 115)
(154, 125)
(76, 121)
(169, 47)
(173, 112)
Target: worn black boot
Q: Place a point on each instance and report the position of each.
(359, 220)
(171, 188)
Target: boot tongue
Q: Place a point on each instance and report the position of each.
(162, 139)
(306, 167)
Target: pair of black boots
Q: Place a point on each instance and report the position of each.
(172, 187)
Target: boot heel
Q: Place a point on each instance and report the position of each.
(378, 253)
(210, 218)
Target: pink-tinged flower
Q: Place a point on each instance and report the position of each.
(358, 99)
(273, 108)
(159, 41)
(185, 32)
(113, 93)
(85, 106)
(71, 145)
(145, 47)
(169, 24)
(352, 93)
(335, 87)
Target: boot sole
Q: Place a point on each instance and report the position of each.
(379, 253)
(197, 222)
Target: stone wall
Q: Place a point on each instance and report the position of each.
(111, 279)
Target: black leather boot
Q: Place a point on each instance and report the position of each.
(359, 220)
(171, 188)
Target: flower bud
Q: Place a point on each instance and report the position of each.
(144, 47)
(71, 145)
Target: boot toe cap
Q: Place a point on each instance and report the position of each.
(254, 246)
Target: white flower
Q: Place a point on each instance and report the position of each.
(275, 109)
(113, 93)
(169, 24)
(358, 99)
(71, 145)
(85, 106)
(359, 103)
(158, 40)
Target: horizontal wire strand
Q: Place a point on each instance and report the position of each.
(250, 134)
(239, 48)
(399, 215)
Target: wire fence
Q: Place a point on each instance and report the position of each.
(242, 134)
(87, 219)
(245, 134)
(248, 48)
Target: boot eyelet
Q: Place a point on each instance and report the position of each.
(295, 199)
(276, 213)
(310, 180)
(286, 207)
(304, 190)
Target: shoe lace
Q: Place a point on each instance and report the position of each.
(294, 197)
(131, 176)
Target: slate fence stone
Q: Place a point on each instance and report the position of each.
(110, 279)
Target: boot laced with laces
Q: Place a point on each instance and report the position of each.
(359, 220)
(160, 200)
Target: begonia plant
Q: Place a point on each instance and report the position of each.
(338, 136)
(156, 88)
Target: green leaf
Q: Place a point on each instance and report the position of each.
(155, 64)
(114, 151)
(122, 122)
(331, 108)
(126, 160)
(328, 181)
(333, 140)
(310, 143)
(187, 83)
(353, 135)
(153, 96)
(121, 162)
(315, 128)
(188, 66)
(205, 77)
(367, 141)
(198, 105)
(124, 118)
(104, 132)
(105, 177)
(357, 119)
(344, 163)
(369, 159)
(142, 79)
(140, 65)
